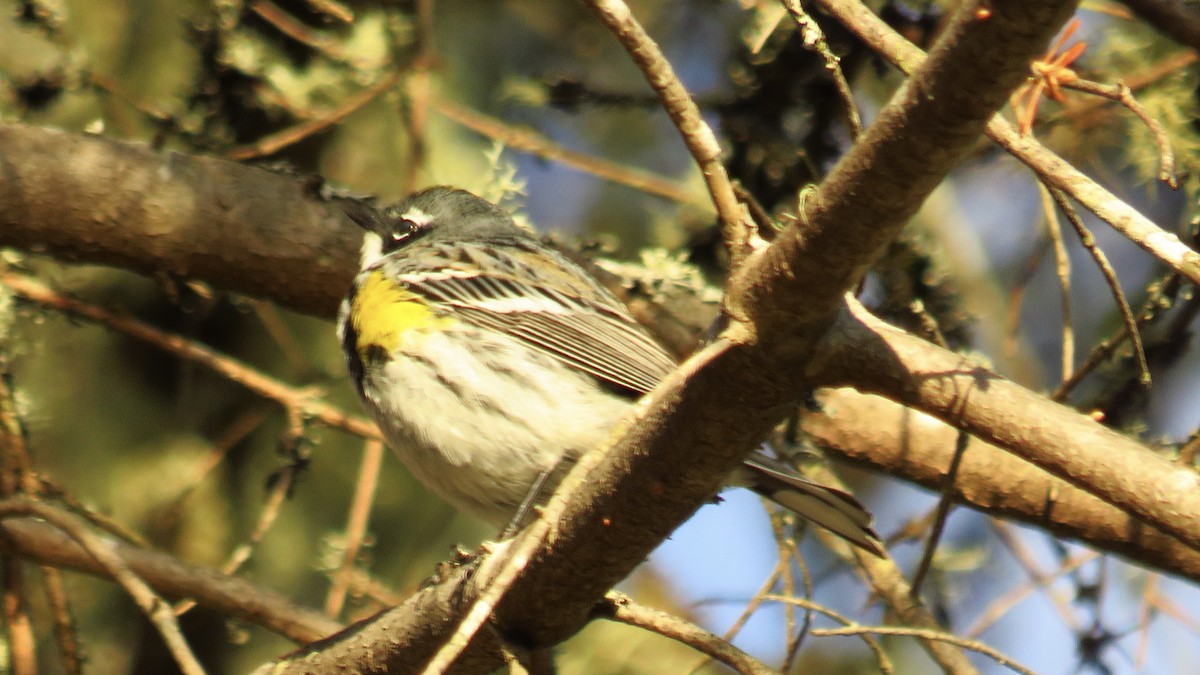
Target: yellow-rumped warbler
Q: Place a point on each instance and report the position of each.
(486, 357)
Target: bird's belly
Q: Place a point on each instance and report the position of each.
(478, 425)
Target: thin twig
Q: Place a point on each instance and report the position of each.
(927, 634)
(16, 477)
(889, 585)
(1110, 277)
(885, 664)
(272, 143)
(697, 135)
(1081, 110)
(333, 9)
(756, 600)
(765, 223)
(356, 525)
(154, 607)
(271, 318)
(418, 86)
(290, 26)
(515, 559)
(786, 578)
(797, 638)
(269, 388)
(22, 645)
(283, 484)
(238, 430)
(1150, 310)
(1169, 607)
(1170, 65)
(18, 472)
(618, 607)
(373, 589)
(814, 39)
(20, 477)
(1062, 268)
(1016, 298)
(53, 492)
(48, 545)
(1008, 536)
(940, 513)
(1038, 581)
(65, 633)
(117, 90)
(1122, 94)
(525, 140)
(1147, 613)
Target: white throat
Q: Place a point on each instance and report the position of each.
(372, 250)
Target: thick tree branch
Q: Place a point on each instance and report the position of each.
(401, 639)
(901, 441)
(98, 200)
(867, 354)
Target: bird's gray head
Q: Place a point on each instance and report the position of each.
(441, 212)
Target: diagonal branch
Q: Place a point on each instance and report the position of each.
(698, 425)
(901, 441)
(871, 356)
(697, 135)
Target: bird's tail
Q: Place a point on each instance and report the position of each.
(832, 509)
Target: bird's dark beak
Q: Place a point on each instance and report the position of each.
(364, 215)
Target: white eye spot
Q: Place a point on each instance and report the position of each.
(416, 216)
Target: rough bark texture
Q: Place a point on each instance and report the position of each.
(98, 200)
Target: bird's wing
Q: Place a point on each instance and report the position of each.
(566, 316)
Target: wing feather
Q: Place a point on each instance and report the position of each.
(582, 326)
(604, 349)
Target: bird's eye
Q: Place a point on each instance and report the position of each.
(405, 229)
(408, 227)
(402, 232)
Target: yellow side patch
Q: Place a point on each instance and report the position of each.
(385, 314)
